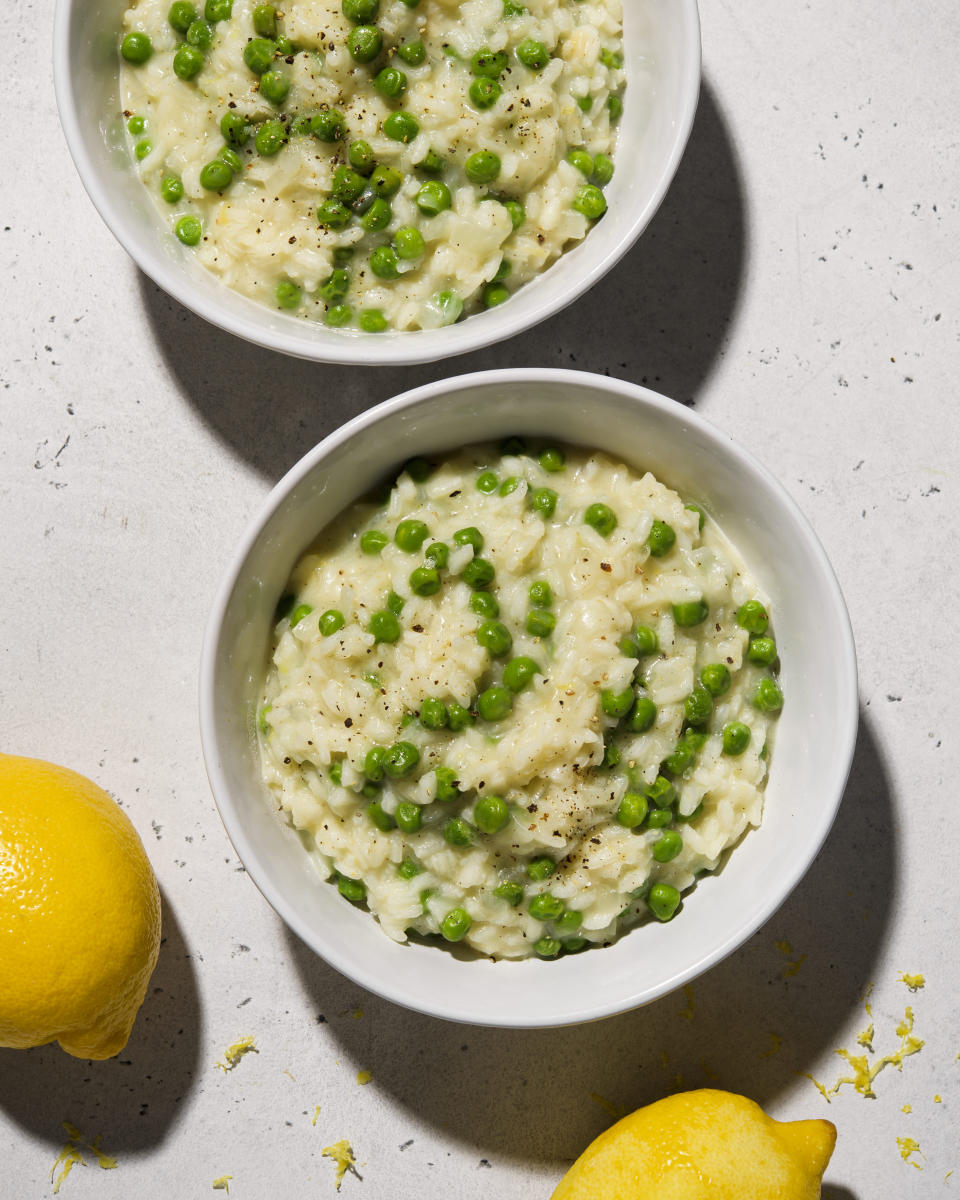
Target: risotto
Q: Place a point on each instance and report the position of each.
(521, 701)
(375, 163)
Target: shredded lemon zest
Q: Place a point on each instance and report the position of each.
(222, 1184)
(938, 1099)
(865, 1038)
(106, 1162)
(66, 1160)
(776, 1041)
(342, 1154)
(907, 1108)
(864, 1072)
(235, 1052)
(687, 1013)
(357, 1014)
(316, 1113)
(363, 1077)
(908, 1147)
(913, 982)
(708, 1071)
(613, 1110)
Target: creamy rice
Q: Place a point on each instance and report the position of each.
(575, 756)
(261, 232)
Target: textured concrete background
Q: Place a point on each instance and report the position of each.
(799, 287)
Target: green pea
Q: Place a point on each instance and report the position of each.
(143, 148)
(553, 460)
(361, 11)
(301, 611)
(696, 738)
(581, 160)
(361, 156)
(540, 623)
(218, 10)
(667, 846)
(401, 127)
(487, 482)
(484, 93)
(433, 714)
(545, 907)
(584, 103)
(533, 54)
(503, 272)
(602, 518)
(372, 320)
(543, 500)
(433, 198)
(701, 515)
(394, 602)
(262, 723)
(512, 9)
(646, 641)
(569, 922)
(431, 163)
(265, 20)
(494, 703)
(447, 788)
(663, 900)
(715, 677)
(484, 605)
(181, 15)
(642, 715)
(686, 820)
(136, 124)
(519, 673)
(338, 315)
(377, 216)
(380, 817)
(409, 869)
(509, 485)
(482, 167)
(284, 47)
(373, 763)
(136, 48)
(334, 288)
(632, 810)
(258, 54)
(171, 189)
(384, 262)
(408, 816)
(547, 947)
(456, 924)
(275, 87)
(736, 738)
(768, 697)
(410, 535)
(762, 650)
(269, 140)
(231, 158)
(328, 125)
(400, 759)
(288, 294)
(353, 890)
(616, 704)
(456, 832)
(384, 626)
(215, 176)
(661, 792)
(418, 468)
(611, 755)
(540, 594)
(390, 82)
(187, 62)
(425, 581)
(698, 706)
(540, 868)
(611, 59)
(615, 107)
(602, 170)
(516, 211)
(478, 573)
(189, 230)
(752, 617)
(331, 621)
(680, 757)
(495, 638)
(437, 553)
(372, 541)
(469, 535)
(200, 34)
(690, 613)
(494, 294)
(490, 814)
(511, 892)
(489, 64)
(661, 539)
(590, 201)
(364, 43)
(412, 53)
(659, 817)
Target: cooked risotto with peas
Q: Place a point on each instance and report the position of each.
(521, 700)
(375, 164)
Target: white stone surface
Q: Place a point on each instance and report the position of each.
(800, 288)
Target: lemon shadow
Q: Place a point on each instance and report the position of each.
(751, 1025)
(658, 318)
(133, 1100)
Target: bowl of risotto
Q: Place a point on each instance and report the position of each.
(507, 673)
(376, 180)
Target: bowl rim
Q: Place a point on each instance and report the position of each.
(382, 984)
(396, 349)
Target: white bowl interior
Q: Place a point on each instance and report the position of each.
(815, 735)
(659, 107)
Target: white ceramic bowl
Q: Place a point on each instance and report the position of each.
(85, 74)
(815, 735)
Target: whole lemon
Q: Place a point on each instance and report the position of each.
(79, 912)
(702, 1145)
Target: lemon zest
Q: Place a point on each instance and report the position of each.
(687, 1013)
(342, 1154)
(363, 1077)
(776, 1041)
(913, 982)
(357, 1014)
(316, 1113)
(938, 1099)
(792, 967)
(864, 1072)
(106, 1162)
(66, 1160)
(907, 1108)
(236, 1051)
(613, 1110)
(865, 1038)
(908, 1147)
(222, 1184)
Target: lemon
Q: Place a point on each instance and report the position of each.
(79, 912)
(703, 1145)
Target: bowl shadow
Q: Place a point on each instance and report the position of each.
(659, 318)
(132, 1100)
(752, 1024)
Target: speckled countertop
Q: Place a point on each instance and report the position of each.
(799, 287)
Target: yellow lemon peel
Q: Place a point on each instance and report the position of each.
(913, 982)
(106, 1162)
(71, 1155)
(66, 1160)
(316, 1113)
(688, 1012)
(342, 1154)
(907, 1108)
(864, 1072)
(363, 1077)
(865, 1038)
(909, 1147)
(236, 1051)
(222, 1184)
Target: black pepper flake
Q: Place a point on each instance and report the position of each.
(605, 567)
(348, 722)
(417, 628)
